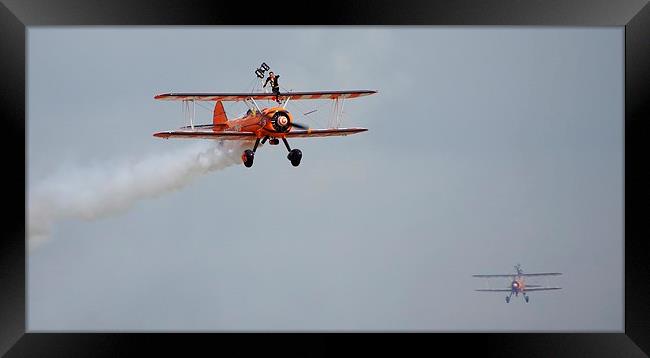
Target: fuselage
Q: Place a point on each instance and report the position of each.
(518, 285)
(272, 122)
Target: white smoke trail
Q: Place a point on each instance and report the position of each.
(108, 189)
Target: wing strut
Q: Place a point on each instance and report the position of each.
(284, 105)
(337, 112)
(187, 113)
(255, 103)
(341, 113)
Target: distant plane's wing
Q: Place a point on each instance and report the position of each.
(494, 289)
(323, 132)
(541, 274)
(206, 134)
(487, 276)
(262, 96)
(526, 289)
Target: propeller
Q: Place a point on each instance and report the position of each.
(294, 124)
(298, 125)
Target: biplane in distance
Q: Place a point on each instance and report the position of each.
(518, 284)
(272, 124)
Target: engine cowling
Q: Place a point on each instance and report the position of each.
(281, 121)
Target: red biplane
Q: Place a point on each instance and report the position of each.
(270, 124)
(517, 284)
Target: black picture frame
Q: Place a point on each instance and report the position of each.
(16, 15)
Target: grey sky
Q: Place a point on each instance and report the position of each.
(486, 147)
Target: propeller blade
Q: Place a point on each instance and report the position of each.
(293, 124)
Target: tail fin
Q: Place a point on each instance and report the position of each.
(219, 116)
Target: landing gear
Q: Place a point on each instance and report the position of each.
(526, 298)
(507, 299)
(294, 156)
(248, 155)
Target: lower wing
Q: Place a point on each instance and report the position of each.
(541, 288)
(494, 289)
(203, 134)
(332, 132)
(226, 135)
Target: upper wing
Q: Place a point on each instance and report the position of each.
(541, 274)
(262, 96)
(523, 274)
(206, 134)
(541, 288)
(295, 133)
(494, 289)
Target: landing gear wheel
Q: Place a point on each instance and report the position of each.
(526, 298)
(247, 157)
(295, 155)
(507, 299)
